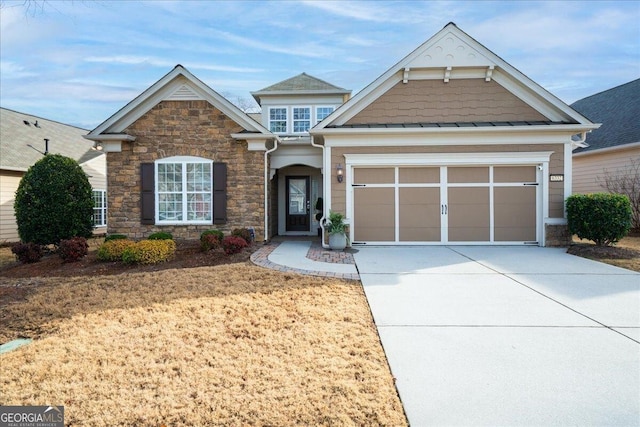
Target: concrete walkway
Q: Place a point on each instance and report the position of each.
(306, 257)
(517, 336)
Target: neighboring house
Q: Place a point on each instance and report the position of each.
(452, 145)
(22, 143)
(615, 146)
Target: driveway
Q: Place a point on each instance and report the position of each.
(500, 336)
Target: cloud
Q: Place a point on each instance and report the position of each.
(157, 62)
(12, 70)
(310, 50)
(370, 11)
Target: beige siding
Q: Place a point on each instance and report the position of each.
(8, 185)
(588, 168)
(556, 166)
(433, 101)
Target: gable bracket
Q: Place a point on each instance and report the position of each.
(405, 77)
(487, 78)
(447, 74)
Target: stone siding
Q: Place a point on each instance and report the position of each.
(557, 235)
(185, 128)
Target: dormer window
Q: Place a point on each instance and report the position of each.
(278, 120)
(322, 113)
(301, 119)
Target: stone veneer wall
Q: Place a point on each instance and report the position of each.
(557, 235)
(185, 128)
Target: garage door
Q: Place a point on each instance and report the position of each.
(445, 204)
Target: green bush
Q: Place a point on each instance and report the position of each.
(113, 249)
(211, 239)
(149, 252)
(27, 253)
(115, 237)
(71, 250)
(54, 202)
(161, 235)
(602, 217)
(245, 233)
(233, 244)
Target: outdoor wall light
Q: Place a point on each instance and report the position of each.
(97, 146)
(340, 172)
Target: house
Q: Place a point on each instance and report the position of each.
(24, 139)
(452, 145)
(615, 146)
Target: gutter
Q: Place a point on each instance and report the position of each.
(324, 196)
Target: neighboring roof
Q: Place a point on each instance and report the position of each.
(302, 84)
(618, 109)
(19, 130)
(452, 53)
(178, 84)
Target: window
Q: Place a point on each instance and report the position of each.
(99, 208)
(322, 113)
(184, 190)
(301, 119)
(278, 120)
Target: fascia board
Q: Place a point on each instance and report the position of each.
(605, 150)
(569, 129)
(110, 137)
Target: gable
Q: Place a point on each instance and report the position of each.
(449, 56)
(434, 101)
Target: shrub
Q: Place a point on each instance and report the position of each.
(149, 252)
(113, 249)
(245, 233)
(233, 244)
(601, 217)
(54, 201)
(27, 253)
(115, 237)
(161, 235)
(71, 250)
(211, 239)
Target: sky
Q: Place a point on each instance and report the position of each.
(78, 62)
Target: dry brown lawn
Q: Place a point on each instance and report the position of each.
(625, 254)
(228, 345)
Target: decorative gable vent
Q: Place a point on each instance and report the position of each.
(184, 93)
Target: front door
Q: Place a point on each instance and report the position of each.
(298, 204)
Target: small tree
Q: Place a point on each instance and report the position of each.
(625, 181)
(54, 202)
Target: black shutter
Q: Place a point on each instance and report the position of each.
(219, 193)
(147, 196)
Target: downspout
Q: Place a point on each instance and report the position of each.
(266, 187)
(324, 189)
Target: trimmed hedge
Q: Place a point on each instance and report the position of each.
(233, 244)
(115, 237)
(27, 253)
(602, 217)
(245, 233)
(71, 250)
(149, 252)
(161, 235)
(113, 249)
(211, 239)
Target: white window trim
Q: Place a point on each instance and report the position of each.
(184, 160)
(103, 208)
(292, 122)
(287, 112)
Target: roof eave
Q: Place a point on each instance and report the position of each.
(568, 128)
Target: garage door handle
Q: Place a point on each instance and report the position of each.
(444, 209)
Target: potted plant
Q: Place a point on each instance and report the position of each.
(335, 226)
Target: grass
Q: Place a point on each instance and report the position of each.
(226, 345)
